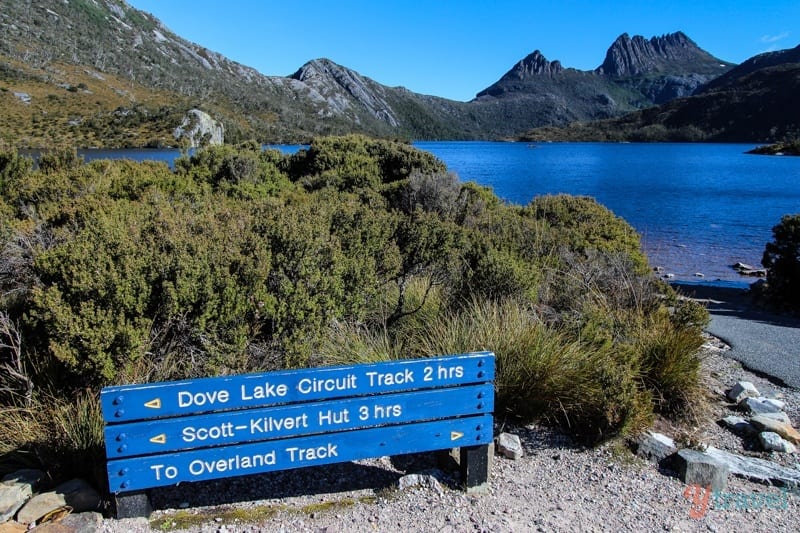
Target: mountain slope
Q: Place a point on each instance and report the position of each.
(113, 39)
(101, 73)
(755, 101)
(636, 73)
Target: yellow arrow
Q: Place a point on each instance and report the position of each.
(455, 435)
(153, 404)
(159, 439)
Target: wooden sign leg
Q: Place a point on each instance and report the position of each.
(133, 505)
(475, 462)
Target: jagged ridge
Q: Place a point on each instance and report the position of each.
(674, 53)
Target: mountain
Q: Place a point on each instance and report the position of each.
(101, 73)
(89, 65)
(755, 101)
(636, 73)
(661, 68)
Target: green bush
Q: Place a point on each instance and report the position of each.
(355, 249)
(782, 261)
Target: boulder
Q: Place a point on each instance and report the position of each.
(12, 497)
(765, 423)
(758, 406)
(199, 129)
(655, 446)
(756, 469)
(742, 390)
(509, 446)
(698, 468)
(76, 493)
(424, 480)
(16, 489)
(739, 425)
(74, 523)
(30, 476)
(780, 416)
(772, 442)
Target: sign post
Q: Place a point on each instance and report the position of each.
(166, 433)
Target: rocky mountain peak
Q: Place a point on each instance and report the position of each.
(331, 81)
(534, 64)
(673, 53)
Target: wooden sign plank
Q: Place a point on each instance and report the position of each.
(139, 473)
(234, 427)
(179, 398)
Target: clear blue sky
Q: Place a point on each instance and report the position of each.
(455, 48)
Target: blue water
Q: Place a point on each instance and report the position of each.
(699, 207)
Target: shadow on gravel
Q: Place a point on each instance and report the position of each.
(309, 481)
(736, 303)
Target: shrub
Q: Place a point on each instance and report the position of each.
(782, 261)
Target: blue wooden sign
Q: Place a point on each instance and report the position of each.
(139, 473)
(165, 433)
(231, 427)
(179, 398)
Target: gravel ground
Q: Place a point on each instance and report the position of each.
(762, 341)
(557, 486)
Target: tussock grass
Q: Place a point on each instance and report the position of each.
(66, 437)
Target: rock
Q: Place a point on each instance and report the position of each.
(739, 425)
(756, 469)
(742, 390)
(16, 489)
(200, 129)
(75, 493)
(772, 442)
(74, 523)
(424, 480)
(777, 404)
(699, 468)
(12, 497)
(12, 527)
(758, 406)
(510, 446)
(780, 416)
(655, 446)
(31, 476)
(25, 98)
(765, 423)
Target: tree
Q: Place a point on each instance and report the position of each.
(782, 261)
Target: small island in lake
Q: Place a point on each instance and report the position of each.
(780, 148)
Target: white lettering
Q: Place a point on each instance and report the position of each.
(190, 433)
(263, 392)
(199, 399)
(377, 379)
(310, 454)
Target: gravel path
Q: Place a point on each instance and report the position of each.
(762, 341)
(557, 486)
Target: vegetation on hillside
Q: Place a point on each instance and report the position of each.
(352, 250)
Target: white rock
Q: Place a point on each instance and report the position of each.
(780, 416)
(758, 406)
(773, 442)
(655, 446)
(778, 404)
(420, 480)
(510, 446)
(742, 390)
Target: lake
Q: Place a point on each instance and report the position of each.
(698, 207)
